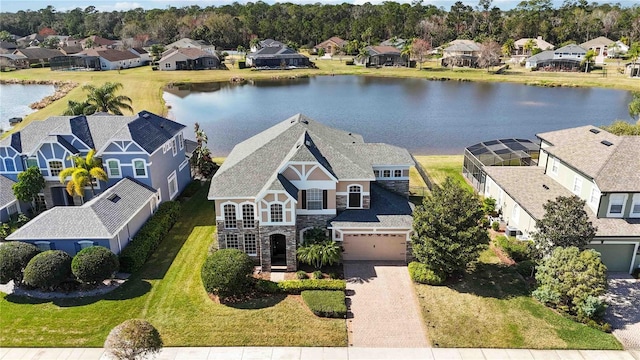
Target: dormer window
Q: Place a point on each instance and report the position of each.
(616, 205)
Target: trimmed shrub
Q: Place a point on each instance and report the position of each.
(330, 304)
(266, 286)
(14, 257)
(298, 286)
(349, 62)
(318, 275)
(94, 264)
(517, 250)
(227, 273)
(48, 269)
(301, 275)
(591, 308)
(133, 339)
(495, 226)
(546, 295)
(420, 273)
(149, 236)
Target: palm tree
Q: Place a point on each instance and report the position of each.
(75, 108)
(528, 46)
(104, 99)
(588, 58)
(634, 54)
(86, 170)
(407, 50)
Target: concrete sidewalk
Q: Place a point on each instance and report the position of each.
(306, 353)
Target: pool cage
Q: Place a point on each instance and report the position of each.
(75, 63)
(503, 152)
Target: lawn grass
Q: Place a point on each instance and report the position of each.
(168, 292)
(491, 308)
(439, 167)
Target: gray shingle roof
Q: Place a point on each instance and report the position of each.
(525, 184)
(599, 41)
(570, 49)
(100, 217)
(545, 55)
(388, 209)
(275, 52)
(615, 168)
(6, 191)
(37, 53)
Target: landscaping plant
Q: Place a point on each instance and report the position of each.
(94, 264)
(517, 250)
(422, 274)
(48, 269)
(320, 254)
(298, 286)
(14, 257)
(330, 304)
(133, 339)
(30, 183)
(227, 273)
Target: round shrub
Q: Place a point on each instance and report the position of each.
(301, 275)
(318, 275)
(133, 339)
(14, 257)
(94, 264)
(495, 226)
(227, 273)
(48, 269)
(420, 273)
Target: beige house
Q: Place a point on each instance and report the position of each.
(461, 52)
(599, 167)
(332, 45)
(300, 174)
(600, 46)
(188, 59)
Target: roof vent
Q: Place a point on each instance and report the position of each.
(114, 198)
(545, 186)
(595, 131)
(307, 142)
(305, 122)
(606, 143)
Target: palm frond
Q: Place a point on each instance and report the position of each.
(98, 173)
(65, 173)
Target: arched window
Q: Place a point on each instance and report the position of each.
(355, 196)
(230, 216)
(248, 218)
(276, 213)
(9, 165)
(55, 167)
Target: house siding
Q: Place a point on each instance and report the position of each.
(69, 245)
(163, 164)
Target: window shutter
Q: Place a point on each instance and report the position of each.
(77, 245)
(324, 199)
(304, 199)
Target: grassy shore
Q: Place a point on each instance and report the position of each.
(439, 167)
(145, 86)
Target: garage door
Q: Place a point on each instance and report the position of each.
(616, 257)
(374, 247)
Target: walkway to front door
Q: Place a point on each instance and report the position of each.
(382, 304)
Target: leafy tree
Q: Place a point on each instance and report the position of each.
(588, 59)
(89, 43)
(86, 171)
(620, 127)
(448, 231)
(634, 54)
(133, 339)
(569, 277)
(30, 183)
(76, 108)
(6, 36)
(565, 223)
(50, 43)
(104, 99)
(508, 47)
(489, 54)
(529, 46)
(320, 254)
(420, 50)
(201, 159)
(321, 52)
(156, 51)
(634, 106)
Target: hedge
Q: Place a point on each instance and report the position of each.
(148, 238)
(517, 250)
(330, 304)
(420, 273)
(94, 264)
(298, 286)
(14, 257)
(48, 269)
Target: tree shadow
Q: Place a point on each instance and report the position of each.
(359, 272)
(258, 302)
(490, 280)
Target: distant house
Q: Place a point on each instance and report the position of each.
(38, 55)
(30, 40)
(75, 62)
(395, 42)
(70, 50)
(461, 52)
(14, 61)
(186, 43)
(382, 56)
(332, 45)
(7, 47)
(97, 41)
(188, 59)
(600, 46)
(617, 49)
(267, 43)
(539, 43)
(111, 59)
(277, 57)
(539, 60)
(110, 219)
(9, 205)
(632, 69)
(566, 58)
(144, 55)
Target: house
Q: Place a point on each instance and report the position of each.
(186, 43)
(70, 50)
(9, 205)
(632, 68)
(567, 58)
(396, 42)
(617, 49)
(7, 47)
(538, 42)
(600, 46)
(277, 57)
(14, 60)
(599, 167)
(188, 59)
(266, 43)
(38, 55)
(461, 52)
(382, 56)
(300, 174)
(145, 147)
(75, 62)
(111, 59)
(144, 55)
(30, 40)
(540, 60)
(331, 46)
(97, 41)
(110, 219)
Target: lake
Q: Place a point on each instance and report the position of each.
(15, 100)
(426, 117)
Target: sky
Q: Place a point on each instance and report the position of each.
(64, 5)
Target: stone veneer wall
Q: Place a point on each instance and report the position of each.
(240, 231)
(341, 202)
(398, 186)
(311, 221)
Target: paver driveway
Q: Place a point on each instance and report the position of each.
(624, 310)
(383, 308)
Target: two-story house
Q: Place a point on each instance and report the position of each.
(599, 167)
(301, 174)
(145, 147)
(461, 52)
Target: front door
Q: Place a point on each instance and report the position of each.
(61, 197)
(278, 249)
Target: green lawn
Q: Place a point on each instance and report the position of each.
(491, 308)
(439, 167)
(168, 292)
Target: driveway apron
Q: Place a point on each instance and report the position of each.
(383, 307)
(623, 313)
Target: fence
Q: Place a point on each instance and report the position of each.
(423, 173)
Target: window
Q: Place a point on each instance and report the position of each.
(250, 244)
(355, 197)
(167, 65)
(594, 199)
(276, 213)
(397, 173)
(140, 168)
(376, 173)
(232, 241)
(554, 166)
(114, 168)
(181, 141)
(577, 185)
(32, 162)
(515, 214)
(85, 244)
(40, 204)
(43, 245)
(230, 216)
(174, 146)
(55, 167)
(314, 199)
(9, 165)
(173, 185)
(248, 219)
(616, 205)
(12, 209)
(386, 173)
(635, 206)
